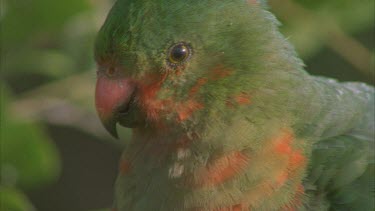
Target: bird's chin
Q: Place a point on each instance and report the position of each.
(128, 122)
(130, 119)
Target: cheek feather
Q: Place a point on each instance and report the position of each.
(220, 72)
(200, 82)
(154, 107)
(186, 110)
(243, 99)
(151, 86)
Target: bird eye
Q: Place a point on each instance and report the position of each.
(179, 53)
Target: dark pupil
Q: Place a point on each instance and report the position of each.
(179, 53)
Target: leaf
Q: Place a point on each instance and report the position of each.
(310, 24)
(24, 20)
(37, 35)
(13, 200)
(28, 157)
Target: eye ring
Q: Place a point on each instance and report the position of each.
(179, 53)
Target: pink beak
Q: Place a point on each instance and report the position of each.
(112, 97)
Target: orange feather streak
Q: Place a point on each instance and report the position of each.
(154, 107)
(221, 169)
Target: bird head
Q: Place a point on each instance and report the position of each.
(163, 63)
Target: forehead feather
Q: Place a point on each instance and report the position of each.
(144, 25)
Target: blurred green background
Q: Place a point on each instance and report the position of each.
(55, 155)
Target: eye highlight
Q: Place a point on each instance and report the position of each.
(179, 53)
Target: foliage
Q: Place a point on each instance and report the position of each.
(310, 24)
(13, 200)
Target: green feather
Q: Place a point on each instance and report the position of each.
(244, 91)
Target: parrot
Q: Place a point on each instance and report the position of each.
(223, 115)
